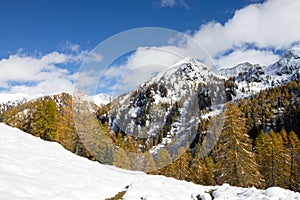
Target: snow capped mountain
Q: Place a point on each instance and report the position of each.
(244, 72)
(168, 106)
(102, 99)
(31, 168)
(252, 78)
(287, 65)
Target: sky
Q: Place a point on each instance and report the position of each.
(44, 42)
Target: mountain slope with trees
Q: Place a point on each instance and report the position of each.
(258, 144)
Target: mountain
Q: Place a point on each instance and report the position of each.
(168, 107)
(102, 99)
(31, 168)
(244, 72)
(288, 65)
(252, 78)
(172, 124)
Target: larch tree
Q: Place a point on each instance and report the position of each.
(163, 159)
(295, 162)
(45, 119)
(208, 171)
(121, 159)
(236, 163)
(274, 159)
(197, 171)
(149, 162)
(180, 164)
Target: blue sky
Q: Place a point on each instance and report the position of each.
(45, 25)
(44, 42)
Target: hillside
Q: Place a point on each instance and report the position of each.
(174, 125)
(31, 168)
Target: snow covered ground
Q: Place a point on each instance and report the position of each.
(31, 168)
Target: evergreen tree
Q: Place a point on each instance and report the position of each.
(149, 163)
(121, 159)
(181, 168)
(208, 174)
(45, 120)
(236, 162)
(295, 162)
(163, 159)
(274, 159)
(51, 116)
(108, 156)
(197, 171)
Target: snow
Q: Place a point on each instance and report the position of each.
(12, 97)
(284, 70)
(101, 99)
(31, 168)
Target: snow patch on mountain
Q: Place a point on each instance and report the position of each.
(102, 99)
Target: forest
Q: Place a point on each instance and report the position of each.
(258, 146)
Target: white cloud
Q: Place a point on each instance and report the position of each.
(252, 35)
(172, 3)
(93, 57)
(40, 74)
(167, 3)
(71, 46)
(261, 57)
(142, 65)
(273, 24)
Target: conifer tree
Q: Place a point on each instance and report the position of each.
(121, 159)
(181, 168)
(208, 174)
(12, 118)
(108, 156)
(295, 162)
(45, 120)
(197, 171)
(163, 159)
(274, 159)
(236, 162)
(51, 116)
(149, 162)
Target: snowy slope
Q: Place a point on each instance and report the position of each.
(101, 99)
(31, 168)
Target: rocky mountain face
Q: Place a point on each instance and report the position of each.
(245, 72)
(252, 78)
(163, 109)
(168, 107)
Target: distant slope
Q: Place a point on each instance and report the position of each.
(31, 168)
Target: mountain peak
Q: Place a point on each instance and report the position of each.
(288, 64)
(292, 53)
(188, 68)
